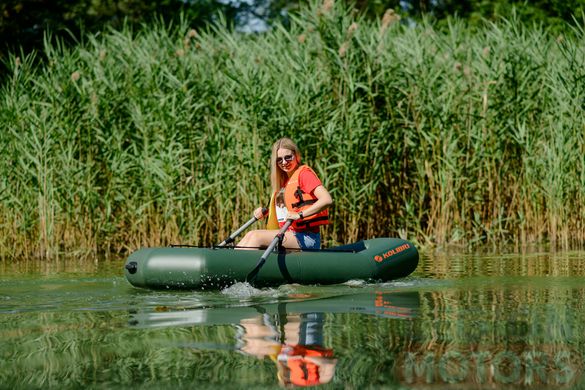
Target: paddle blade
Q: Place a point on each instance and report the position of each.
(254, 273)
(279, 236)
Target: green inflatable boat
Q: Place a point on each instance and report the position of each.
(378, 259)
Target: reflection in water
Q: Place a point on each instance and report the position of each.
(443, 265)
(290, 334)
(498, 332)
(383, 304)
(461, 322)
(294, 343)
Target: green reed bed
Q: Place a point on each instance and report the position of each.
(162, 136)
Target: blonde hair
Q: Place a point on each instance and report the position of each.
(277, 176)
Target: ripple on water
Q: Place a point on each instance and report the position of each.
(400, 283)
(414, 282)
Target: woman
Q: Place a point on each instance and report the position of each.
(297, 194)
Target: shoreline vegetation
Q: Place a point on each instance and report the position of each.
(445, 136)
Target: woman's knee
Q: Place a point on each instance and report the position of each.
(255, 238)
(290, 241)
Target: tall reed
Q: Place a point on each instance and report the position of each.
(159, 136)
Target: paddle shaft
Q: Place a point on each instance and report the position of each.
(232, 236)
(279, 236)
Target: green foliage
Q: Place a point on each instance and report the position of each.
(23, 23)
(453, 135)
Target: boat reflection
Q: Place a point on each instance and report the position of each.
(289, 332)
(388, 304)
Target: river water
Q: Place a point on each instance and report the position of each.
(460, 321)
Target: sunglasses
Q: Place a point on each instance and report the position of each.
(287, 158)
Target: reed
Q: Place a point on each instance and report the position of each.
(445, 136)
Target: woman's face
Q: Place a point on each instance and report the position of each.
(286, 160)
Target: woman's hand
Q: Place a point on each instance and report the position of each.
(292, 215)
(258, 213)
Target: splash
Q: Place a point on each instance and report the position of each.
(355, 283)
(244, 290)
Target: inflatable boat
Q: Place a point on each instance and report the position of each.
(378, 259)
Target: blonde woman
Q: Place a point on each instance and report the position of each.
(297, 194)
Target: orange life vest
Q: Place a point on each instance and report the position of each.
(297, 200)
(304, 372)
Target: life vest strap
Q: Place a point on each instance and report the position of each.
(304, 203)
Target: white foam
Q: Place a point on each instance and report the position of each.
(246, 290)
(355, 283)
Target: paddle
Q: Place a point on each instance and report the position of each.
(252, 275)
(232, 236)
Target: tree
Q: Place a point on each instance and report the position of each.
(23, 23)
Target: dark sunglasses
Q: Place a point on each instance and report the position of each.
(287, 158)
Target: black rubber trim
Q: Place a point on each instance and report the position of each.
(282, 267)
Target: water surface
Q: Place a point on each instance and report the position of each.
(460, 321)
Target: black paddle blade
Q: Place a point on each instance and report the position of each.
(278, 238)
(254, 273)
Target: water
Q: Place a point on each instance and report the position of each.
(460, 321)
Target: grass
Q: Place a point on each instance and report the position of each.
(444, 136)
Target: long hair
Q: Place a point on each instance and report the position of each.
(277, 176)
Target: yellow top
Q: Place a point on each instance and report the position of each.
(272, 222)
